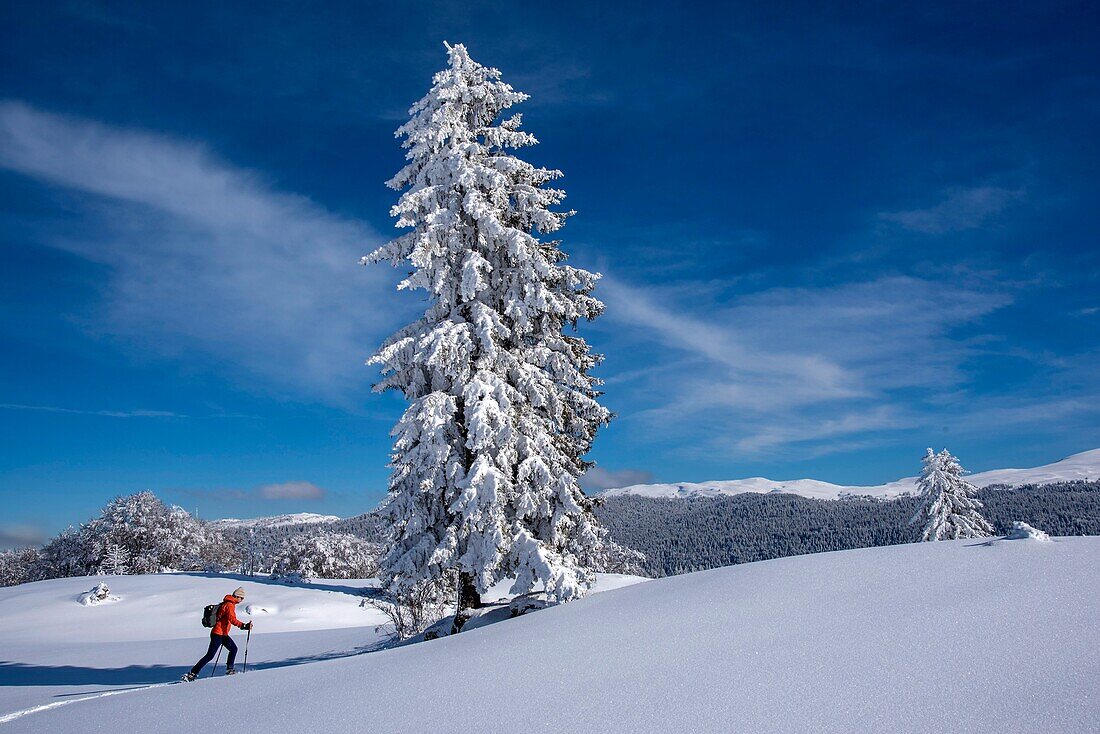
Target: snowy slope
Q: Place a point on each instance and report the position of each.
(1085, 465)
(52, 648)
(275, 521)
(1079, 466)
(933, 637)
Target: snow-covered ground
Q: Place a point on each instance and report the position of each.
(275, 521)
(934, 637)
(53, 648)
(1085, 465)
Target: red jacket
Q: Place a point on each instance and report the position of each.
(227, 615)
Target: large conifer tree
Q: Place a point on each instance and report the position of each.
(949, 510)
(501, 404)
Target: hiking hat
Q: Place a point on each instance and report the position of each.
(239, 593)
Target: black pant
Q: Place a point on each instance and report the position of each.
(217, 641)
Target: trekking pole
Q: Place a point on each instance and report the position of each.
(219, 657)
(244, 668)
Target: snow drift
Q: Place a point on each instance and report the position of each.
(1023, 531)
(914, 638)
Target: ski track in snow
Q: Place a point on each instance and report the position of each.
(58, 704)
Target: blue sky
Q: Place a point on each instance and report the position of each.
(831, 237)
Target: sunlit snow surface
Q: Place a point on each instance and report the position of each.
(54, 648)
(960, 636)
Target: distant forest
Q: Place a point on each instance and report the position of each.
(140, 534)
(696, 533)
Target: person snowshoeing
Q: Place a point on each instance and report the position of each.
(219, 635)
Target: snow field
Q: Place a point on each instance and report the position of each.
(53, 648)
(916, 638)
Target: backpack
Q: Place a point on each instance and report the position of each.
(210, 615)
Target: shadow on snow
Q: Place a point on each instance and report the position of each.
(24, 674)
(243, 579)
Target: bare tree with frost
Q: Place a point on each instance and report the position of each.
(116, 561)
(501, 404)
(949, 509)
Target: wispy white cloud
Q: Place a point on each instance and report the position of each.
(960, 209)
(103, 413)
(208, 261)
(139, 413)
(806, 369)
(713, 340)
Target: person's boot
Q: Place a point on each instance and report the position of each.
(188, 677)
(230, 671)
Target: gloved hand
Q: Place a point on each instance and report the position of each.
(246, 626)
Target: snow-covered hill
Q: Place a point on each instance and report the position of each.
(1079, 466)
(275, 521)
(932, 637)
(54, 649)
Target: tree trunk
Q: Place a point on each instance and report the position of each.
(468, 599)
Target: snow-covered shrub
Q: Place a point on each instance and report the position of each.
(326, 555)
(99, 594)
(1023, 531)
(502, 407)
(416, 608)
(949, 509)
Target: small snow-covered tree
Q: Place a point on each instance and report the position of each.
(949, 509)
(502, 406)
(326, 555)
(115, 562)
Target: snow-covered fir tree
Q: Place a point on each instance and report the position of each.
(949, 509)
(116, 561)
(502, 406)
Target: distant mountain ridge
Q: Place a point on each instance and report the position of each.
(276, 521)
(1083, 466)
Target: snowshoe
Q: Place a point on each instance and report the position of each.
(188, 677)
(230, 671)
